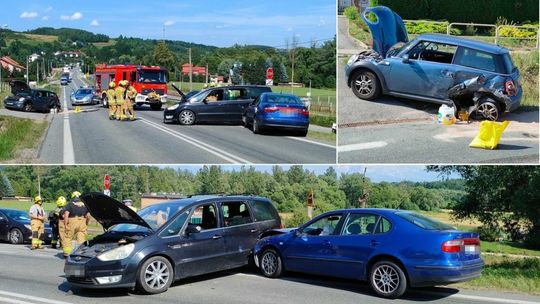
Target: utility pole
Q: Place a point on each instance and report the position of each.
(27, 77)
(190, 72)
(37, 72)
(206, 73)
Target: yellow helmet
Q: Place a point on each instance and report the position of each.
(75, 194)
(112, 85)
(124, 83)
(37, 199)
(61, 201)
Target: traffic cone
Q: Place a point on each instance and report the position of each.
(78, 109)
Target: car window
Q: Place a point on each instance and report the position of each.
(263, 211)
(214, 96)
(423, 221)
(235, 213)
(17, 215)
(476, 59)
(176, 225)
(204, 216)
(508, 64)
(324, 226)
(280, 99)
(383, 226)
(360, 223)
(433, 51)
(39, 94)
(237, 94)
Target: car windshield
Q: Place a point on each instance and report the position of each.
(198, 97)
(280, 99)
(152, 76)
(84, 91)
(397, 48)
(155, 216)
(17, 215)
(423, 221)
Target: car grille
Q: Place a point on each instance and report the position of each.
(79, 280)
(158, 91)
(79, 258)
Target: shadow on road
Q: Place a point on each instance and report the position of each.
(511, 147)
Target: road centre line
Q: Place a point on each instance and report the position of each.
(197, 143)
(362, 146)
(31, 298)
(68, 152)
(13, 301)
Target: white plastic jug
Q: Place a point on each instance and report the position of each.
(446, 115)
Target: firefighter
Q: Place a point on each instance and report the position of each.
(76, 219)
(111, 96)
(37, 223)
(131, 93)
(54, 221)
(120, 101)
(129, 203)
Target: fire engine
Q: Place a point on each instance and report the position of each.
(149, 81)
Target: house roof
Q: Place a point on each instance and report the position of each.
(7, 61)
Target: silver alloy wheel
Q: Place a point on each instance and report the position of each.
(156, 275)
(364, 84)
(14, 236)
(488, 110)
(269, 263)
(105, 101)
(187, 117)
(28, 107)
(385, 278)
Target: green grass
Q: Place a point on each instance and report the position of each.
(329, 137)
(527, 62)
(18, 133)
(48, 204)
(507, 247)
(321, 120)
(359, 33)
(506, 274)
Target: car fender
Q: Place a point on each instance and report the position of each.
(368, 65)
(150, 251)
(384, 255)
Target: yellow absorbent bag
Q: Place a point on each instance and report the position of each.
(489, 135)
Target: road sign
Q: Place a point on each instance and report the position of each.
(269, 73)
(269, 82)
(107, 192)
(107, 182)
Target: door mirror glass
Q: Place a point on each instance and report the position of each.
(191, 229)
(405, 58)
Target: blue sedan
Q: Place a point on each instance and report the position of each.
(277, 110)
(391, 249)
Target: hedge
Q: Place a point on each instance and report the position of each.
(476, 11)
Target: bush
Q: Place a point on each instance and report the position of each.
(429, 27)
(489, 234)
(323, 121)
(532, 240)
(351, 13)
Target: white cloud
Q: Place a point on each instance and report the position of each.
(94, 22)
(29, 15)
(322, 22)
(222, 26)
(169, 23)
(45, 18)
(48, 9)
(75, 16)
(289, 29)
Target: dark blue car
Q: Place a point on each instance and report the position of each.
(277, 110)
(391, 249)
(427, 67)
(15, 227)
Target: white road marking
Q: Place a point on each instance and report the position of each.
(31, 298)
(69, 154)
(478, 298)
(362, 146)
(199, 144)
(8, 300)
(312, 142)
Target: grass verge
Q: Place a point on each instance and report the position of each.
(17, 134)
(48, 204)
(329, 137)
(527, 63)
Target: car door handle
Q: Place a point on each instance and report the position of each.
(217, 237)
(447, 73)
(254, 230)
(374, 243)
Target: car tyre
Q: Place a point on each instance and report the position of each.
(244, 121)
(155, 275)
(365, 84)
(27, 107)
(186, 117)
(270, 263)
(488, 109)
(16, 236)
(388, 280)
(106, 102)
(302, 133)
(255, 126)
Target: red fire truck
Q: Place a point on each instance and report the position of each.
(149, 81)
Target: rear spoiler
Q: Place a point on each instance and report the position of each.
(179, 91)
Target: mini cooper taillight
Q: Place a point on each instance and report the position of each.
(510, 88)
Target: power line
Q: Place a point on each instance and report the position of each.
(305, 42)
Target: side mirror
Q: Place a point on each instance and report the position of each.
(191, 229)
(2, 218)
(205, 101)
(297, 232)
(405, 58)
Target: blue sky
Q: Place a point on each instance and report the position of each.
(211, 22)
(376, 173)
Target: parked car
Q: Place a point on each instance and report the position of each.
(220, 104)
(15, 227)
(426, 67)
(27, 99)
(168, 241)
(84, 96)
(277, 111)
(391, 249)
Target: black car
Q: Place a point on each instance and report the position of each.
(15, 227)
(27, 99)
(220, 104)
(168, 241)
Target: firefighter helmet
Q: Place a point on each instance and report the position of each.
(37, 199)
(61, 201)
(75, 194)
(112, 85)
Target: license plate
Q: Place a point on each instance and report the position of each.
(74, 271)
(9, 103)
(471, 249)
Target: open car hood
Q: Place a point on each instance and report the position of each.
(109, 212)
(387, 30)
(179, 92)
(18, 87)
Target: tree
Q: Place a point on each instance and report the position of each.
(163, 56)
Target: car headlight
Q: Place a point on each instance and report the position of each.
(352, 59)
(21, 99)
(174, 107)
(86, 98)
(119, 253)
(28, 227)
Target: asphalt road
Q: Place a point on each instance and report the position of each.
(393, 130)
(37, 277)
(89, 137)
